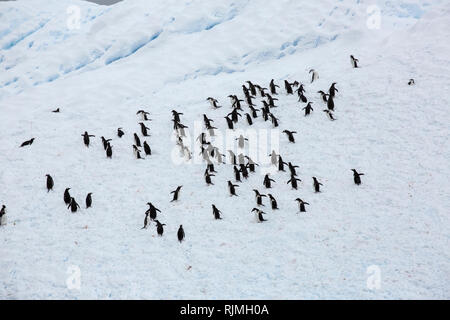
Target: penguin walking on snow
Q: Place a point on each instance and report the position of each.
(120, 132)
(144, 115)
(137, 140)
(208, 178)
(356, 177)
(89, 200)
(27, 143)
(332, 91)
(180, 233)
(292, 169)
(159, 228)
(259, 215)
(314, 75)
(86, 139)
(273, 87)
(152, 211)
(290, 135)
(330, 103)
(273, 202)
(316, 184)
(176, 193)
(354, 61)
(288, 87)
(50, 183)
(73, 205)
(147, 150)
(105, 142)
(109, 151)
(231, 188)
(323, 95)
(258, 197)
(216, 212)
(56, 111)
(411, 82)
(3, 215)
(308, 109)
(67, 196)
(293, 182)
(144, 129)
(301, 204)
(145, 221)
(267, 181)
(213, 103)
(330, 115)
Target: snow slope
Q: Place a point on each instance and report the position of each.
(164, 55)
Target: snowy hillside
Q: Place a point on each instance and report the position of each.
(160, 55)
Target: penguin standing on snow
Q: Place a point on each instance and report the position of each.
(176, 193)
(231, 188)
(208, 177)
(288, 87)
(290, 135)
(293, 182)
(330, 103)
(147, 150)
(152, 211)
(3, 215)
(281, 163)
(316, 184)
(273, 87)
(144, 115)
(213, 103)
(145, 221)
(159, 228)
(56, 111)
(323, 95)
(73, 205)
(259, 215)
(292, 169)
(330, 115)
(308, 109)
(258, 197)
(67, 196)
(237, 174)
(180, 233)
(137, 140)
(354, 61)
(268, 181)
(251, 164)
(216, 212)
(229, 123)
(356, 177)
(144, 129)
(27, 143)
(120, 132)
(89, 200)
(109, 151)
(301, 204)
(50, 182)
(273, 202)
(105, 142)
(411, 82)
(314, 75)
(86, 139)
(249, 119)
(332, 91)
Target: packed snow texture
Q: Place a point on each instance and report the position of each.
(161, 55)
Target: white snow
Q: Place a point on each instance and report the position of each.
(163, 55)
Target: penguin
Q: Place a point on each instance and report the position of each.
(332, 91)
(89, 200)
(411, 82)
(254, 112)
(330, 103)
(67, 196)
(233, 157)
(234, 115)
(105, 142)
(243, 170)
(308, 109)
(145, 221)
(251, 164)
(241, 158)
(274, 120)
(354, 61)
(176, 193)
(120, 133)
(208, 178)
(143, 115)
(316, 184)
(176, 115)
(207, 121)
(274, 157)
(293, 182)
(213, 103)
(356, 177)
(271, 100)
(216, 212)
(231, 188)
(273, 87)
(292, 169)
(27, 143)
(50, 183)
(290, 135)
(288, 87)
(268, 181)
(241, 141)
(152, 211)
(301, 96)
(249, 119)
(3, 215)
(159, 228)
(73, 205)
(252, 88)
(273, 202)
(314, 75)
(229, 123)
(261, 90)
(137, 152)
(56, 111)
(281, 163)
(147, 150)
(237, 174)
(137, 140)
(258, 197)
(144, 129)
(180, 233)
(323, 95)
(86, 139)
(109, 151)
(259, 215)
(330, 115)
(301, 204)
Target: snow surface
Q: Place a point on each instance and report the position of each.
(163, 55)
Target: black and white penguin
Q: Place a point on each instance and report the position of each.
(290, 135)
(243, 170)
(308, 109)
(216, 212)
(292, 169)
(411, 82)
(73, 205)
(120, 132)
(214, 103)
(354, 61)
(137, 140)
(105, 142)
(67, 196)
(233, 160)
(330, 115)
(27, 143)
(56, 111)
(50, 182)
(159, 228)
(301, 204)
(237, 174)
(316, 185)
(258, 197)
(208, 177)
(231, 188)
(330, 103)
(3, 216)
(251, 87)
(288, 87)
(176, 193)
(273, 157)
(274, 120)
(109, 151)
(176, 115)
(323, 95)
(89, 200)
(332, 91)
(86, 139)
(145, 221)
(180, 233)
(273, 87)
(249, 119)
(144, 129)
(281, 163)
(314, 75)
(254, 112)
(147, 150)
(273, 202)
(251, 164)
(293, 182)
(259, 215)
(152, 211)
(229, 123)
(356, 177)
(267, 181)
(144, 115)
